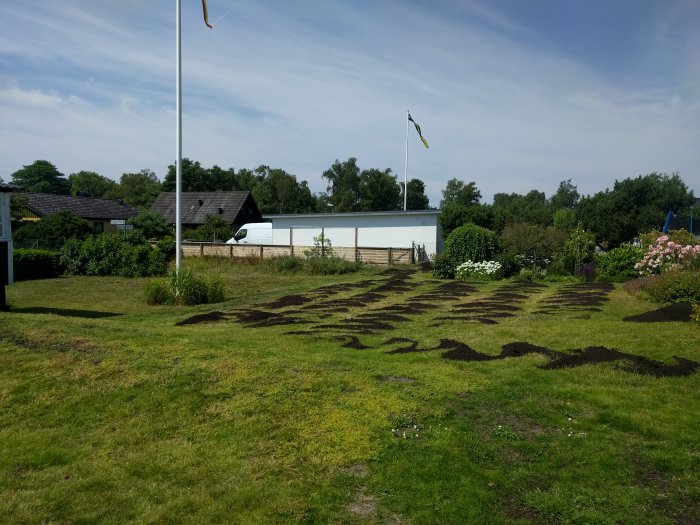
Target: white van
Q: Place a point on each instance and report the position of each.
(253, 233)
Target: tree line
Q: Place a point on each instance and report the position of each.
(274, 189)
(633, 205)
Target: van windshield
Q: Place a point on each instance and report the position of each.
(240, 234)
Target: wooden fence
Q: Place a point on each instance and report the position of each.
(365, 255)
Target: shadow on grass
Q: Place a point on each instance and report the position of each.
(65, 312)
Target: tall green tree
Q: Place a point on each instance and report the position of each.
(452, 216)
(276, 191)
(151, 224)
(344, 185)
(633, 206)
(137, 189)
(566, 196)
(90, 182)
(378, 191)
(457, 192)
(416, 199)
(41, 177)
(510, 208)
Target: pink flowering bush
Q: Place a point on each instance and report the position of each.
(665, 255)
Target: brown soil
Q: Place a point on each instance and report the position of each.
(203, 318)
(674, 312)
(639, 364)
(350, 341)
(286, 301)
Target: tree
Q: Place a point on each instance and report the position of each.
(344, 185)
(90, 182)
(416, 199)
(455, 215)
(41, 177)
(137, 189)
(533, 241)
(276, 191)
(55, 228)
(566, 196)
(378, 191)
(197, 178)
(151, 224)
(456, 192)
(510, 208)
(632, 207)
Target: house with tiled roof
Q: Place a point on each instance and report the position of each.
(103, 215)
(235, 207)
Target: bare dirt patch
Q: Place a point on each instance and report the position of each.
(674, 312)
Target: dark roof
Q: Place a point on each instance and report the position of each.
(196, 206)
(4, 188)
(86, 207)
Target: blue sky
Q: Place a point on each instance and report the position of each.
(511, 94)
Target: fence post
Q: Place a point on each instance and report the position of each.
(262, 256)
(323, 243)
(413, 252)
(201, 249)
(291, 241)
(390, 256)
(230, 251)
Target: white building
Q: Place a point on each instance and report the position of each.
(378, 229)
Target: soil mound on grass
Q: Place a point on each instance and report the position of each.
(673, 312)
(638, 364)
(210, 317)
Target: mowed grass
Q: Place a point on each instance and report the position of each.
(112, 414)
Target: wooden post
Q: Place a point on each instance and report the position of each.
(291, 241)
(323, 242)
(262, 256)
(413, 252)
(201, 249)
(389, 252)
(230, 251)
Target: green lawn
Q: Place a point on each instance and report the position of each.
(113, 414)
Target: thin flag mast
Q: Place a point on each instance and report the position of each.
(178, 133)
(405, 169)
(178, 126)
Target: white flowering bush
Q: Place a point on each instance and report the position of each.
(664, 255)
(483, 270)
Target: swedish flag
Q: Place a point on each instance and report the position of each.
(418, 130)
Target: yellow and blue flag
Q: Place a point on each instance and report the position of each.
(418, 130)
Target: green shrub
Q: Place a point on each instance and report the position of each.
(53, 230)
(443, 267)
(215, 289)
(30, 263)
(158, 292)
(284, 264)
(674, 287)
(578, 250)
(113, 254)
(617, 265)
(471, 243)
(185, 288)
(330, 266)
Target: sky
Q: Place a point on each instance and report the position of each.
(514, 95)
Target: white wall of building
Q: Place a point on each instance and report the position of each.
(373, 229)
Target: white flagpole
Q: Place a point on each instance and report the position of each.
(178, 132)
(405, 169)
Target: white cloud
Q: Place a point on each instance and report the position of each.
(298, 84)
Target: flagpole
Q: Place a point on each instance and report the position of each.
(178, 132)
(405, 169)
